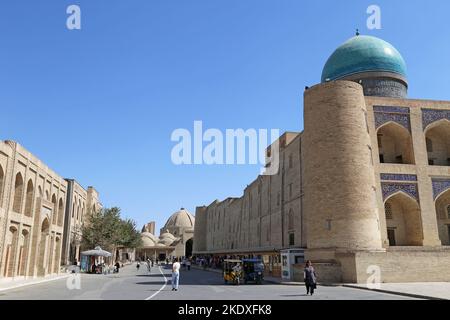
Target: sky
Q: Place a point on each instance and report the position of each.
(99, 104)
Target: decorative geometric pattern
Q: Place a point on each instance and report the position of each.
(384, 114)
(389, 188)
(439, 186)
(398, 177)
(431, 115)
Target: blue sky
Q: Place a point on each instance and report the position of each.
(99, 104)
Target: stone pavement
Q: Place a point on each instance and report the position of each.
(426, 290)
(13, 284)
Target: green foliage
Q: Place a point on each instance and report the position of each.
(106, 229)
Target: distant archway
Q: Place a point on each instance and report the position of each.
(45, 228)
(11, 251)
(23, 254)
(395, 144)
(403, 220)
(438, 143)
(188, 247)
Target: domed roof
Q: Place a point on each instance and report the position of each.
(181, 218)
(149, 235)
(148, 239)
(363, 54)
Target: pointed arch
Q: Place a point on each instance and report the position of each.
(18, 193)
(29, 199)
(55, 209)
(60, 212)
(43, 244)
(437, 137)
(405, 227)
(395, 144)
(291, 221)
(442, 206)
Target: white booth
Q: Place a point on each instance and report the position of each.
(289, 257)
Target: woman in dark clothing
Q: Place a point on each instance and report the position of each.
(309, 274)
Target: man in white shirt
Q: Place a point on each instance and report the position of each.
(175, 274)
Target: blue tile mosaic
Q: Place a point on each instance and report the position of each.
(398, 177)
(384, 114)
(430, 116)
(440, 186)
(389, 188)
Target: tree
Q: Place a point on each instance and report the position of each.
(106, 229)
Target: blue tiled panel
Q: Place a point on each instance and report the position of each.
(439, 186)
(431, 115)
(398, 177)
(384, 114)
(389, 188)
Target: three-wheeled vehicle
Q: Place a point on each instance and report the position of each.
(232, 271)
(253, 270)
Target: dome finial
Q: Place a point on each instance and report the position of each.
(357, 32)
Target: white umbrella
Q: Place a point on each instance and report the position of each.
(97, 252)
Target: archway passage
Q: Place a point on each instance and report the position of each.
(188, 248)
(438, 144)
(403, 221)
(443, 217)
(395, 144)
(29, 199)
(45, 227)
(23, 255)
(11, 252)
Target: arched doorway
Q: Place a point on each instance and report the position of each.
(45, 228)
(403, 221)
(57, 260)
(395, 144)
(443, 217)
(23, 254)
(438, 143)
(11, 251)
(188, 247)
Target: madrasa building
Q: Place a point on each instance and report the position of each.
(364, 188)
(175, 240)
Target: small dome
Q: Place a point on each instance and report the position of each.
(147, 241)
(150, 236)
(181, 218)
(363, 54)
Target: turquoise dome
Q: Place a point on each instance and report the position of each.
(363, 54)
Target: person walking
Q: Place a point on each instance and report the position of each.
(175, 274)
(138, 265)
(188, 264)
(310, 277)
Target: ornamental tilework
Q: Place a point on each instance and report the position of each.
(439, 186)
(389, 188)
(431, 115)
(384, 114)
(398, 177)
